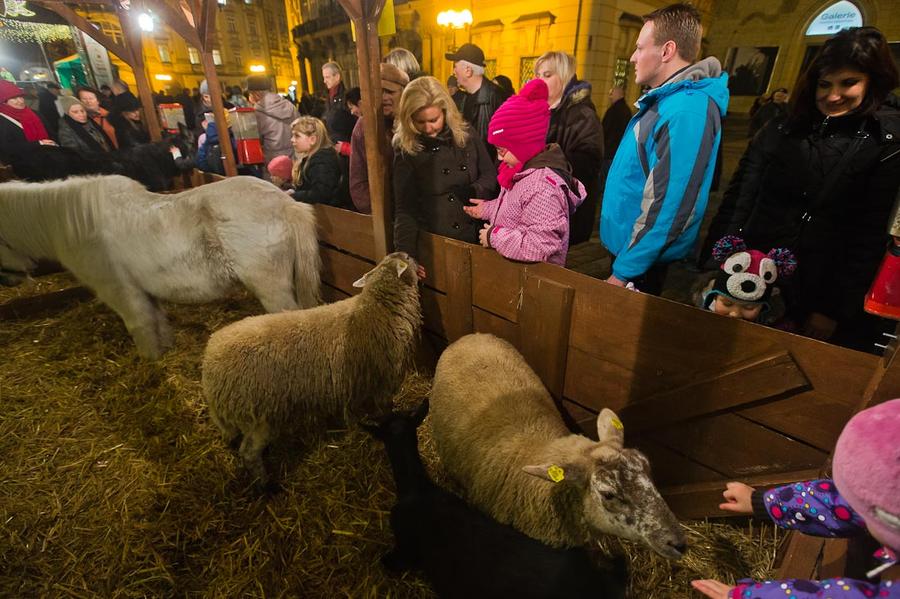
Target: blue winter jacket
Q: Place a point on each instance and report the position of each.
(658, 184)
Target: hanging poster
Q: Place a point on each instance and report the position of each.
(98, 58)
(749, 69)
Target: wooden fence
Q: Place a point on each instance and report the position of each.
(709, 399)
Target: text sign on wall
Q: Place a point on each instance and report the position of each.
(840, 15)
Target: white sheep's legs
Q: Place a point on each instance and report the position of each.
(255, 441)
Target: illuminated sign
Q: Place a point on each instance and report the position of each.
(840, 15)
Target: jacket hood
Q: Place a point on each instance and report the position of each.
(276, 106)
(553, 158)
(704, 76)
(577, 91)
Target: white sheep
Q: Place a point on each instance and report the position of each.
(499, 434)
(289, 372)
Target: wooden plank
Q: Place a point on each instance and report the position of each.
(458, 266)
(670, 468)
(47, 303)
(744, 383)
(598, 383)
(435, 311)
(177, 20)
(341, 270)
(544, 323)
(800, 556)
(795, 418)
(332, 294)
(485, 322)
(496, 284)
(345, 229)
(132, 36)
(432, 255)
(834, 559)
(701, 500)
(739, 448)
(585, 420)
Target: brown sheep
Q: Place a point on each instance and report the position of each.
(289, 372)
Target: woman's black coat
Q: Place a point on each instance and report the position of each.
(432, 186)
(777, 198)
(320, 183)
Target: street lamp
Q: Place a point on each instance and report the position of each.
(257, 68)
(453, 20)
(145, 22)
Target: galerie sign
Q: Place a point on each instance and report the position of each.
(838, 16)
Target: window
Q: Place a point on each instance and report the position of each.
(238, 59)
(217, 57)
(490, 68)
(232, 26)
(251, 27)
(526, 69)
(111, 30)
(164, 55)
(193, 55)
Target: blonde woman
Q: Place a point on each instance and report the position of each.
(404, 60)
(316, 174)
(438, 167)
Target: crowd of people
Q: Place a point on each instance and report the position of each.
(527, 173)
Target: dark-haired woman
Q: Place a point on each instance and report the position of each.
(822, 181)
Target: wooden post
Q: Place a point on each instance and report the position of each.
(458, 268)
(207, 32)
(134, 44)
(364, 14)
(544, 324)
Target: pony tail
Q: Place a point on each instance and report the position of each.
(728, 245)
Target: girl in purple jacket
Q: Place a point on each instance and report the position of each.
(529, 220)
(864, 497)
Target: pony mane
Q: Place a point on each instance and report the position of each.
(33, 215)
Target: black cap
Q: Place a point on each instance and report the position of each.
(259, 83)
(126, 102)
(469, 53)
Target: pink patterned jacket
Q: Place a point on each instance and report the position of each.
(530, 222)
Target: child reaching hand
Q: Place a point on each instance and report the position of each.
(529, 220)
(863, 497)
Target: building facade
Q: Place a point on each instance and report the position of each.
(249, 33)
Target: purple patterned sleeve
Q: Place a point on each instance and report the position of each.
(813, 507)
(833, 588)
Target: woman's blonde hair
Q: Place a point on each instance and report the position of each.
(559, 62)
(309, 125)
(421, 93)
(404, 60)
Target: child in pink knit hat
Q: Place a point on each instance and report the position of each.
(863, 497)
(529, 221)
(280, 169)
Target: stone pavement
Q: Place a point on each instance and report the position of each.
(592, 259)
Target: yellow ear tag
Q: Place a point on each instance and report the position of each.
(616, 423)
(556, 473)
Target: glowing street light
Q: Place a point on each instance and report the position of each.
(163, 77)
(145, 22)
(455, 19)
(257, 68)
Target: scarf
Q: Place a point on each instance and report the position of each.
(505, 174)
(90, 134)
(27, 119)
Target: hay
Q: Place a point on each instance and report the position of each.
(114, 483)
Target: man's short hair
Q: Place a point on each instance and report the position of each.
(679, 23)
(477, 70)
(333, 67)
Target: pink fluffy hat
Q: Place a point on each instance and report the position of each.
(867, 469)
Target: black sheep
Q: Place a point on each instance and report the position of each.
(466, 554)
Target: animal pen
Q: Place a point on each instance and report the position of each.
(708, 399)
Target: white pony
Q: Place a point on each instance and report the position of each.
(134, 247)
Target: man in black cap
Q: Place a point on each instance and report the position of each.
(483, 97)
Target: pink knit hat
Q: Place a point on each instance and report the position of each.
(280, 167)
(520, 124)
(866, 469)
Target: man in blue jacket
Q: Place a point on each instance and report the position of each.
(658, 184)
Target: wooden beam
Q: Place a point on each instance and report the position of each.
(134, 44)
(368, 53)
(84, 25)
(177, 20)
(748, 382)
(207, 28)
(215, 94)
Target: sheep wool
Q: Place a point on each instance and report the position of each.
(499, 434)
(289, 372)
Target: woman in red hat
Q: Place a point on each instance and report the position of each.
(20, 127)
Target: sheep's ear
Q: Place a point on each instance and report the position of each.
(557, 472)
(610, 430)
(361, 282)
(401, 267)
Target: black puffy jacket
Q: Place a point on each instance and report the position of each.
(778, 198)
(320, 182)
(432, 186)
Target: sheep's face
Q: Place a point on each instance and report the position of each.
(396, 265)
(618, 495)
